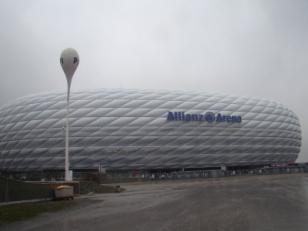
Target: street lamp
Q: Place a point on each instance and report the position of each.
(69, 61)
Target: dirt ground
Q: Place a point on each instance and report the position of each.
(259, 203)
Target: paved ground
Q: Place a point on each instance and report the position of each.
(262, 203)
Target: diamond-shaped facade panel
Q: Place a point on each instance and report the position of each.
(131, 129)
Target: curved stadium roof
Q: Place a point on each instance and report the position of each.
(128, 129)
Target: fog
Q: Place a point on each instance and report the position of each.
(246, 48)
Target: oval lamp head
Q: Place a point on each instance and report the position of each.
(69, 61)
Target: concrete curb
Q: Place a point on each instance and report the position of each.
(24, 201)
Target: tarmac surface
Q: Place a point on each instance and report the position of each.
(259, 203)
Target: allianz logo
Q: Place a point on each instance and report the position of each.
(208, 116)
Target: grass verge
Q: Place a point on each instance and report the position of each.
(18, 212)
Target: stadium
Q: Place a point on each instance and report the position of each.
(146, 130)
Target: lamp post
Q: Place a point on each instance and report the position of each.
(69, 60)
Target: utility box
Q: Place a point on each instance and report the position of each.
(63, 192)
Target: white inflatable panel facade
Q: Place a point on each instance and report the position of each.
(143, 129)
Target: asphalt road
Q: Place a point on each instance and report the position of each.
(258, 203)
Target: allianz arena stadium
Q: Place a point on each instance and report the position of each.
(144, 129)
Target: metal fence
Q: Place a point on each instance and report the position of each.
(12, 190)
(177, 175)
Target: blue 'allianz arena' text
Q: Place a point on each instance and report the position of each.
(209, 117)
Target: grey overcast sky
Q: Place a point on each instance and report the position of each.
(246, 48)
